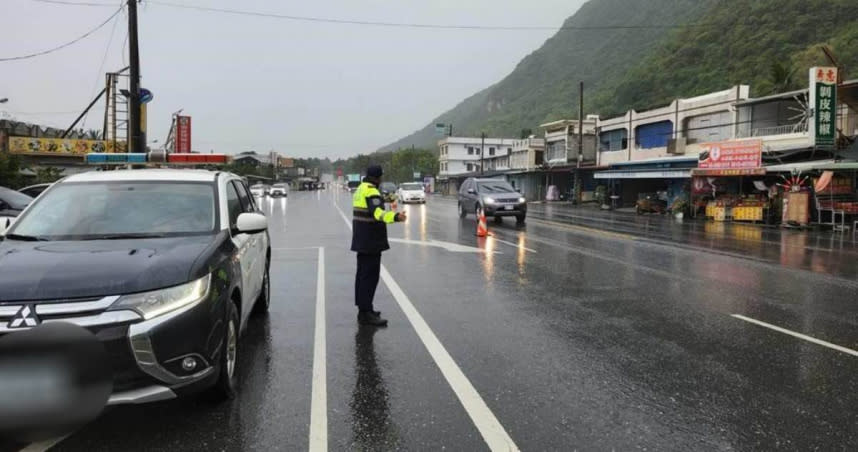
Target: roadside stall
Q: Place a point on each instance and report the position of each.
(729, 182)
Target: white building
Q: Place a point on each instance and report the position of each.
(674, 130)
(561, 141)
(527, 154)
(461, 155)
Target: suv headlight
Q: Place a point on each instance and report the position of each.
(522, 200)
(490, 200)
(161, 301)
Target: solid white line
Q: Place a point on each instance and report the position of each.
(45, 445)
(319, 402)
(513, 245)
(848, 351)
(490, 428)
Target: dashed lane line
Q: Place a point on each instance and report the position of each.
(805, 337)
(490, 428)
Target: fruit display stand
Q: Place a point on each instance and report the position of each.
(749, 209)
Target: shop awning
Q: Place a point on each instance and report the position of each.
(644, 174)
(729, 172)
(799, 166)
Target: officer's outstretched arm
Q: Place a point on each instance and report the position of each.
(376, 206)
(384, 215)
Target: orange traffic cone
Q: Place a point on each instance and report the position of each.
(482, 230)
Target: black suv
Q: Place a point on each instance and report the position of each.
(496, 197)
(163, 266)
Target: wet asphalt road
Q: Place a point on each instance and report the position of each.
(593, 335)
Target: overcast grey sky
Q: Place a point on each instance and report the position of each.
(254, 83)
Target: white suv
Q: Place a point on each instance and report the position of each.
(277, 190)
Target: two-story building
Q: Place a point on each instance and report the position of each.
(527, 167)
(562, 155)
(655, 150)
(462, 157)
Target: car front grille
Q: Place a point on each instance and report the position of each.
(110, 327)
(86, 312)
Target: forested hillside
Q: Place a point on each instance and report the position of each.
(642, 53)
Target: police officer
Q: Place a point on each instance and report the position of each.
(369, 239)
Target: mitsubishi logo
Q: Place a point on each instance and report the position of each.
(26, 317)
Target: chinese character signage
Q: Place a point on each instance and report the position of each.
(731, 155)
(286, 162)
(62, 146)
(183, 134)
(823, 102)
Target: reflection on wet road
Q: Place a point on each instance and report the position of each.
(597, 331)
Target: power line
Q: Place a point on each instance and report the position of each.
(60, 2)
(60, 47)
(98, 75)
(406, 24)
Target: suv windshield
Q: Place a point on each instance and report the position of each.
(411, 187)
(388, 186)
(279, 185)
(495, 187)
(111, 210)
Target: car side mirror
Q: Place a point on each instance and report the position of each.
(251, 223)
(4, 225)
(471, 191)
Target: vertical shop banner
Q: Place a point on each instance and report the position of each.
(731, 155)
(823, 104)
(183, 134)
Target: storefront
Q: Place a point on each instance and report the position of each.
(730, 183)
(668, 179)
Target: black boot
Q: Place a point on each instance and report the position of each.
(371, 318)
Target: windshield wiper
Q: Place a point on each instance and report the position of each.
(142, 235)
(26, 238)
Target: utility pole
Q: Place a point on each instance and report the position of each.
(482, 150)
(135, 139)
(578, 154)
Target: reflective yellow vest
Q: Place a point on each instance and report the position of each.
(369, 220)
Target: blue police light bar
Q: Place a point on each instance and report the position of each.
(120, 158)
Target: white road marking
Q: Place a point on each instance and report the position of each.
(805, 337)
(45, 445)
(452, 247)
(319, 402)
(514, 245)
(490, 428)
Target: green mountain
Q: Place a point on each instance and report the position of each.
(644, 53)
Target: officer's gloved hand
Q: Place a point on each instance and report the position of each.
(400, 217)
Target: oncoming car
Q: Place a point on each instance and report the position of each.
(495, 197)
(411, 192)
(163, 266)
(277, 190)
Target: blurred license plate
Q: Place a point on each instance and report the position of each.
(507, 207)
